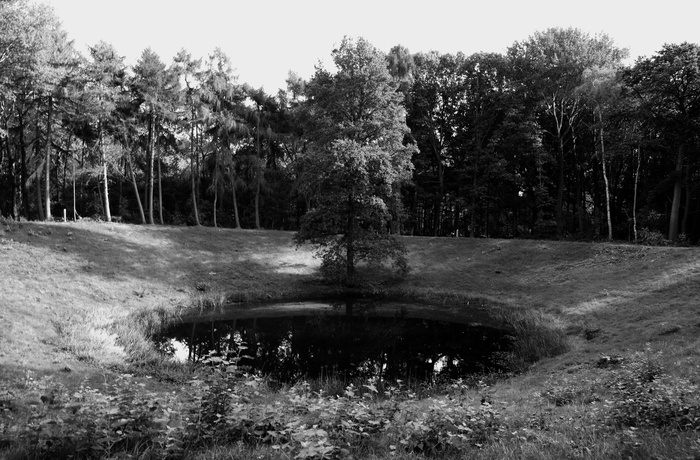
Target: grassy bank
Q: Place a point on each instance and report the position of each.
(77, 299)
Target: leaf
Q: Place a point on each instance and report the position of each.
(121, 423)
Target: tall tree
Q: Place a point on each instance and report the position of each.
(356, 157)
(263, 108)
(188, 69)
(35, 59)
(482, 110)
(155, 89)
(552, 63)
(105, 75)
(56, 62)
(223, 100)
(668, 88)
(433, 111)
(602, 87)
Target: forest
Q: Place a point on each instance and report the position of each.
(556, 138)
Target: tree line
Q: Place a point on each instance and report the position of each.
(557, 137)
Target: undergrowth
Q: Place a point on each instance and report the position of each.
(630, 410)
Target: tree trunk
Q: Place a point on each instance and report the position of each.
(192, 168)
(235, 202)
(676, 203)
(136, 190)
(605, 174)
(580, 194)
(257, 204)
(108, 213)
(636, 184)
(102, 203)
(120, 196)
(560, 187)
(222, 194)
(216, 196)
(198, 155)
(40, 206)
(62, 200)
(23, 172)
(149, 173)
(472, 223)
(160, 194)
(258, 179)
(16, 191)
(688, 196)
(75, 210)
(457, 218)
(47, 198)
(350, 240)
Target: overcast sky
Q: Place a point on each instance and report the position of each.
(266, 39)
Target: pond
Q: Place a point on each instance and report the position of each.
(343, 340)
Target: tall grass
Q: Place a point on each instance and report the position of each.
(537, 335)
(102, 339)
(86, 335)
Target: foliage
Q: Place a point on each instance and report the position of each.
(356, 162)
(666, 87)
(488, 144)
(652, 238)
(645, 396)
(97, 423)
(449, 428)
(220, 409)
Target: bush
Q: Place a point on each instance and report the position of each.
(652, 238)
(449, 427)
(644, 396)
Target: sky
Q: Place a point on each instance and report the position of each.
(265, 39)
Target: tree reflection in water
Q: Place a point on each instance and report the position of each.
(347, 341)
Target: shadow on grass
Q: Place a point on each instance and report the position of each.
(187, 259)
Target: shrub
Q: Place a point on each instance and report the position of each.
(644, 396)
(449, 427)
(93, 423)
(652, 238)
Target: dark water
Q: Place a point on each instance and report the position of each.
(343, 340)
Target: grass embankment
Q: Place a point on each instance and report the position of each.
(75, 300)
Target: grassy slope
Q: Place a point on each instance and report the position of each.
(612, 298)
(49, 271)
(630, 295)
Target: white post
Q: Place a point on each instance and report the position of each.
(65, 219)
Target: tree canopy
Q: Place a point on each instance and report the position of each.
(556, 138)
(356, 160)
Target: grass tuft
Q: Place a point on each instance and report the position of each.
(537, 335)
(86, 335)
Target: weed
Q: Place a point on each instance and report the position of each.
(570, 392)
(645, 396)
